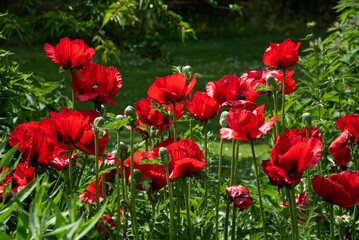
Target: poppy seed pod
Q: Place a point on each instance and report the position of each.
(123, 150)
(187, 71)
(307, 119)
(272, 83)
(131, 114)
(223, 119)
(164, 155)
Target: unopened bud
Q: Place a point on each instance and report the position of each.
(307, 119)
(124, 204)
(223, 119)
(131, 114)
(123, 151)
(119, 118)
(137, 175)
(311, 24)
(153, 131)
(164, 155)
(187, 71)
(272, 83)
(102, 110)
(98, 122)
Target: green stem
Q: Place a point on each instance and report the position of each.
(174, 123)
(259, 188)
(289, 199)
(133, 189)
(234, 210)
(70, 170)
(331, 221)
(171, 201)
(271, 110)
(95, 132)
(283, 103)
(219, 185)
(189, 221)
(118, 183)
(294, 213)
(276, 130)
(191, 129)
(226, 223)
(354, 220)
(205, 160)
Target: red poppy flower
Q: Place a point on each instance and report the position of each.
(232, 91)
(349, 125)
(69, 125)
(97, 83)
(292, 155)
(87, 143)
(278, 74)
(186, 167)
(300, 200)
(37, 147)
(171, 88)
(283, 55)
(22, 175)
(89, 195)
(107, 220)
(240, 196)
(152, 154)
(70, 54)
(109, 159)
(148, 115)
(341, 189)
(154, 172)
(203, 106)
(246, 125)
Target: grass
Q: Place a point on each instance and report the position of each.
(211, 59)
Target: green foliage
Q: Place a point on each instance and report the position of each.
(138, 26)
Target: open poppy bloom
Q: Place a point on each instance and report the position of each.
(70, 54)
(341, 189)
(97, 83)
(38, 147)
(170, 89)
(240, 196)
(69, 125)
(349, 126)
(203, 106)
(22, 175)
(232, 91)
(246, 125)
(89, 195)
(283, 55)
(87, 143)
(148, 115)
(292, 155)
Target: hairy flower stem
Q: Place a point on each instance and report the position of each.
(234, 213)
(226, 223)
(188, 209)
(354, 226)
(174, 124)
(133, 189)
(171, 201)
(95, 132)
(191, 129)
(331, 208)
(291, 211)
(205, 160)
(294, 209)
(219, 186)
(276, 130)
(118, 183)
(70, 170)
(271, 110)
(283, 103)
(259, 188)
(72, 92)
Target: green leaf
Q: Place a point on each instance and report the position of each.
(85, 228)
(4, 236)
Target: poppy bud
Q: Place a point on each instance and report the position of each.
(272, 83)
(223, 119)
(187, 71)
(164, 155)
(131, 114)
(153, 131)
(123, 150)
(120, 118)
(102, 110)
(137, 175)
(307, 119)
(124, 203)
(98, 122)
